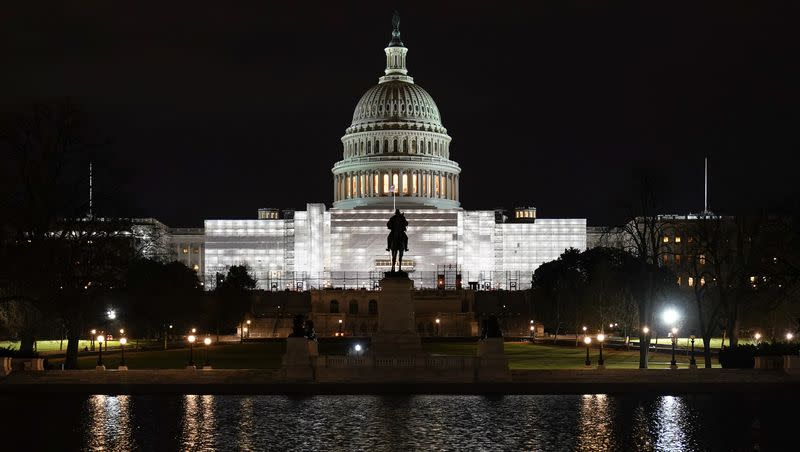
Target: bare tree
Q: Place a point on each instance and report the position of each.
(642, 237)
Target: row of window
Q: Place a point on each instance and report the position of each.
(676, 258)
(353, 307)
(676, 239)
(367, 147)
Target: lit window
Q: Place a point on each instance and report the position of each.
(395, 180)
(186, 251)
(703, 281)
(386, 183)
(702, 259)
(665, 239)
(677, 258)
(405, 184)
(677, 239)
(197, 251)
(196, 268)
(752, 279)
(414, 182)
(665, 258)
(691, 282)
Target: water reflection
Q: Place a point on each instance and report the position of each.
(383, 423)
(108, 423)
(596, 423)
(198, 429)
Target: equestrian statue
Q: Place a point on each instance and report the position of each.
(397, 241)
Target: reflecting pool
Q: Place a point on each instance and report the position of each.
(389, 423)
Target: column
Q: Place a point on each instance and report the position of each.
(400, 184)
(458, 187)
(360, 191)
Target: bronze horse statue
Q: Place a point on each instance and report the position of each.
(397, 241)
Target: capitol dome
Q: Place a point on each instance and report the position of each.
(396, 149)
(393, 102)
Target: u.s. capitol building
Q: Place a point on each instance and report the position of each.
(396, 152)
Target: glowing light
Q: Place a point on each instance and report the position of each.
(93, 332)
(584, 329)
(207, 341)
(789, 336)
(122, 331)
(587, 340)
(670, 316)
(101, 338)
(191, 338)
(438, 321)
(757, 336)
(357, 347)
(194, 330)
(601, 337)
(111, 314)
(123, 341)
(645, 330)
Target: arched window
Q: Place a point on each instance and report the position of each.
(373, 307)
(413, 146)
(405, 145)
(395, 145)
(334, 307)
(369, 147)
(385, 146)
(353, 307)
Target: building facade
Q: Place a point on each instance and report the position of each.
(395, 154)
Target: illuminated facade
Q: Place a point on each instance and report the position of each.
(395, 152)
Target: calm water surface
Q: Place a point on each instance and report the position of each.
(401, 423)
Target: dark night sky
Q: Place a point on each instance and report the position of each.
(215, 110)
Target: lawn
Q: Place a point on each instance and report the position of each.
(55, 346)
(267, 355)
(523, 355)
(255, 355)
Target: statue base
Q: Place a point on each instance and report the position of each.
(492, 361)
(396, 334)
(296, 363)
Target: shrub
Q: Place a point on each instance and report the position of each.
(777, 349)
(11, 352)
(739, 357)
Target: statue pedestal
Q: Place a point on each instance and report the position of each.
(296, 363)
(492, 361)
(397, 334)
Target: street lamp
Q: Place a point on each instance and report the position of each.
(122, 342)
(692, 362)
(207, 342)
(438, 321)
(91, 338)
(111, 314)
(670, 316)
(789, 336)
(100, 340)
(673, 364)
(588, 341)
(121, 331)
(532, 329)
(191, 340)
(600, 363)
(757, 336)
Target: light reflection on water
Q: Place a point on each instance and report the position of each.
(424, 422)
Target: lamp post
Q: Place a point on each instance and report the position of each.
(532, 333)
(340, 333)
(207, 342)
(91, 338)
(789, 337)
(100, 340)
(191, 340)
(600, 363)
(757, 337)
(692, 361)
(122, 342)
(588, 341)
(248, 329)
(438, 321)
(673, 364)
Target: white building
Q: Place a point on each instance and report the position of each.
(395, 152)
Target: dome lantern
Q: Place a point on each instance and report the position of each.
(396, 56)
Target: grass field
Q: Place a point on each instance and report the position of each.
(267, 355)
(47, 347)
